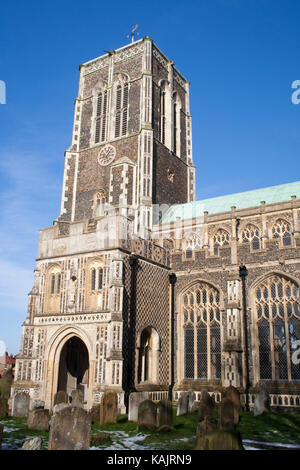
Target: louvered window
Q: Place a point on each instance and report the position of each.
(101, 117)
(121, 119)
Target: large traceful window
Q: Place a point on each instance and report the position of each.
(121, 117)
(250, 235)
(201, 319)
(282, 230)
(221, 238)
(278, 328)
(101, 117)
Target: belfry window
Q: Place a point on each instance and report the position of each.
(121, 116)
(101, 117)
(99, 203)
(278, 328)
(201, 321)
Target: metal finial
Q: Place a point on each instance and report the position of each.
(132, 32)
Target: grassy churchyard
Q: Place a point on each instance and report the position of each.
(269, 428)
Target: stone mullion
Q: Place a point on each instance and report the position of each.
(208, 349)
(195, 349)
(287, 340)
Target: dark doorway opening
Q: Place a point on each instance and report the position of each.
(74, 367)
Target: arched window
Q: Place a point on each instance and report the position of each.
(250, 235)
(96, 279)
(282, 230)
(176, 124)
(121, 108)
(53, 289)
(192, 242)
(163, 117)
(221, 238)
(101, 118)
(95, 286)
(278, 328)
(99, 203)
(201, 322)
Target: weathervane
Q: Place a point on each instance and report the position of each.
(132, 33)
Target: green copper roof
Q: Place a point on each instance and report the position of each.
(215, 205)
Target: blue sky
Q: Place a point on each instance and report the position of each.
(241, 57)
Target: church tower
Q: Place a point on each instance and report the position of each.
(98, 316)
(132, 137)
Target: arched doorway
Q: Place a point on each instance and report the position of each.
(74, 367)
(148, 356)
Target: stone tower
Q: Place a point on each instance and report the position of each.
(131, 149)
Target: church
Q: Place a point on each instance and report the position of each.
(138, 286)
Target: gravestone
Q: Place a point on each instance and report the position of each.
(38, 419)
(234, 395)
(1, 434)
(261, 402)
(221, 440)
(109, 408)
(77, 398)
(206, 406)
(3, 407)
(191, 401)
(34, 443)
(95, 414)
(60, 397)
(204, 427)
(135, 398)
(164, 414)
(226, 415)
(70, 429)
(21, 405)
(147, 415)
(5, 384)
(183, 403)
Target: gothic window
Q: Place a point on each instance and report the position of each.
(201, 320)
(95, 291)
(53, 290)
(278, 328)
(221, 238)
(96, 279)
(99, 203)
(192, 242)
(176, 124)
(101, 120)
(163, 115)
(121, 109)
(282, 231)
(251, 235)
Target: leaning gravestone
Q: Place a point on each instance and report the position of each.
(34, 443)
(183, 403)
(60, 397)
(109, 408)
(135, 398)
(3, 408)
(77, 398)
(95, 414)
(21, 405)
(191, 401)
(70, 429)
(204, 427)
(164, 414)
(234, 395)
(206, 406)
(147, 415)
(261, 402)
(38, 419)
(226, 415)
